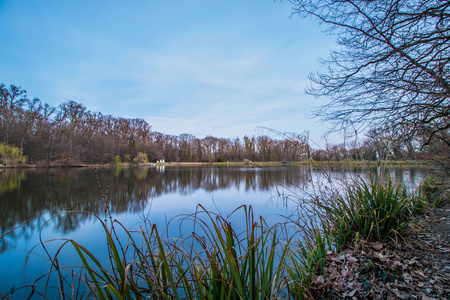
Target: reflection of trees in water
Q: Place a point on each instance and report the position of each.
(10, 182)
(55, 191)
(211, 179)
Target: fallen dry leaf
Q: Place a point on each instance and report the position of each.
(379, 256)
(345, 272)
(352, 260)
(419, 274)
(408, 278)
(377, 246)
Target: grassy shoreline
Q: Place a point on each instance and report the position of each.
(343, 163)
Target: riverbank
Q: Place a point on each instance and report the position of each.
(343, 163)
(415, 265)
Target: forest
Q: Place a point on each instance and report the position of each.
(71, 134)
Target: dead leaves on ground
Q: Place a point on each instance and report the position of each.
(368, 270)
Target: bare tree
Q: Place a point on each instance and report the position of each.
(11, 101)
(392, 67)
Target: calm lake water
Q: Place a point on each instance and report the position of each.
(54, 204)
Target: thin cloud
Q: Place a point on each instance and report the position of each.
(205, 68)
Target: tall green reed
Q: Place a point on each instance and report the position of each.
(373, 210)
(214, 262)
(307, 259)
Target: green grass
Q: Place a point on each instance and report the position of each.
(341, 163)
(366, 163)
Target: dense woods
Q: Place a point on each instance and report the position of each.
(71, 134)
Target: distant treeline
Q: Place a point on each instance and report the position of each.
(70, 134)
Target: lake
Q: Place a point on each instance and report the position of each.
(49, 205)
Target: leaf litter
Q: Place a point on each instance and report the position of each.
(417, 266)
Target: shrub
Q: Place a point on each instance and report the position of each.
(141, 158)
(117, 161)
(127, 158)
(11, 155)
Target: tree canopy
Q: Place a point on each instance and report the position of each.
(70, 134)
(391, 69)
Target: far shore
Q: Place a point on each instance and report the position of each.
(342, 163)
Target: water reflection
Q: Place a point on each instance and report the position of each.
(27, 194)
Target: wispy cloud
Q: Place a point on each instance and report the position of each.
(206, 68)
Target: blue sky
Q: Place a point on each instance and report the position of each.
(203, 67)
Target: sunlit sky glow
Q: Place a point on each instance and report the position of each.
(203, 67)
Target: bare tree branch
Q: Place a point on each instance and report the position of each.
(392, 67)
